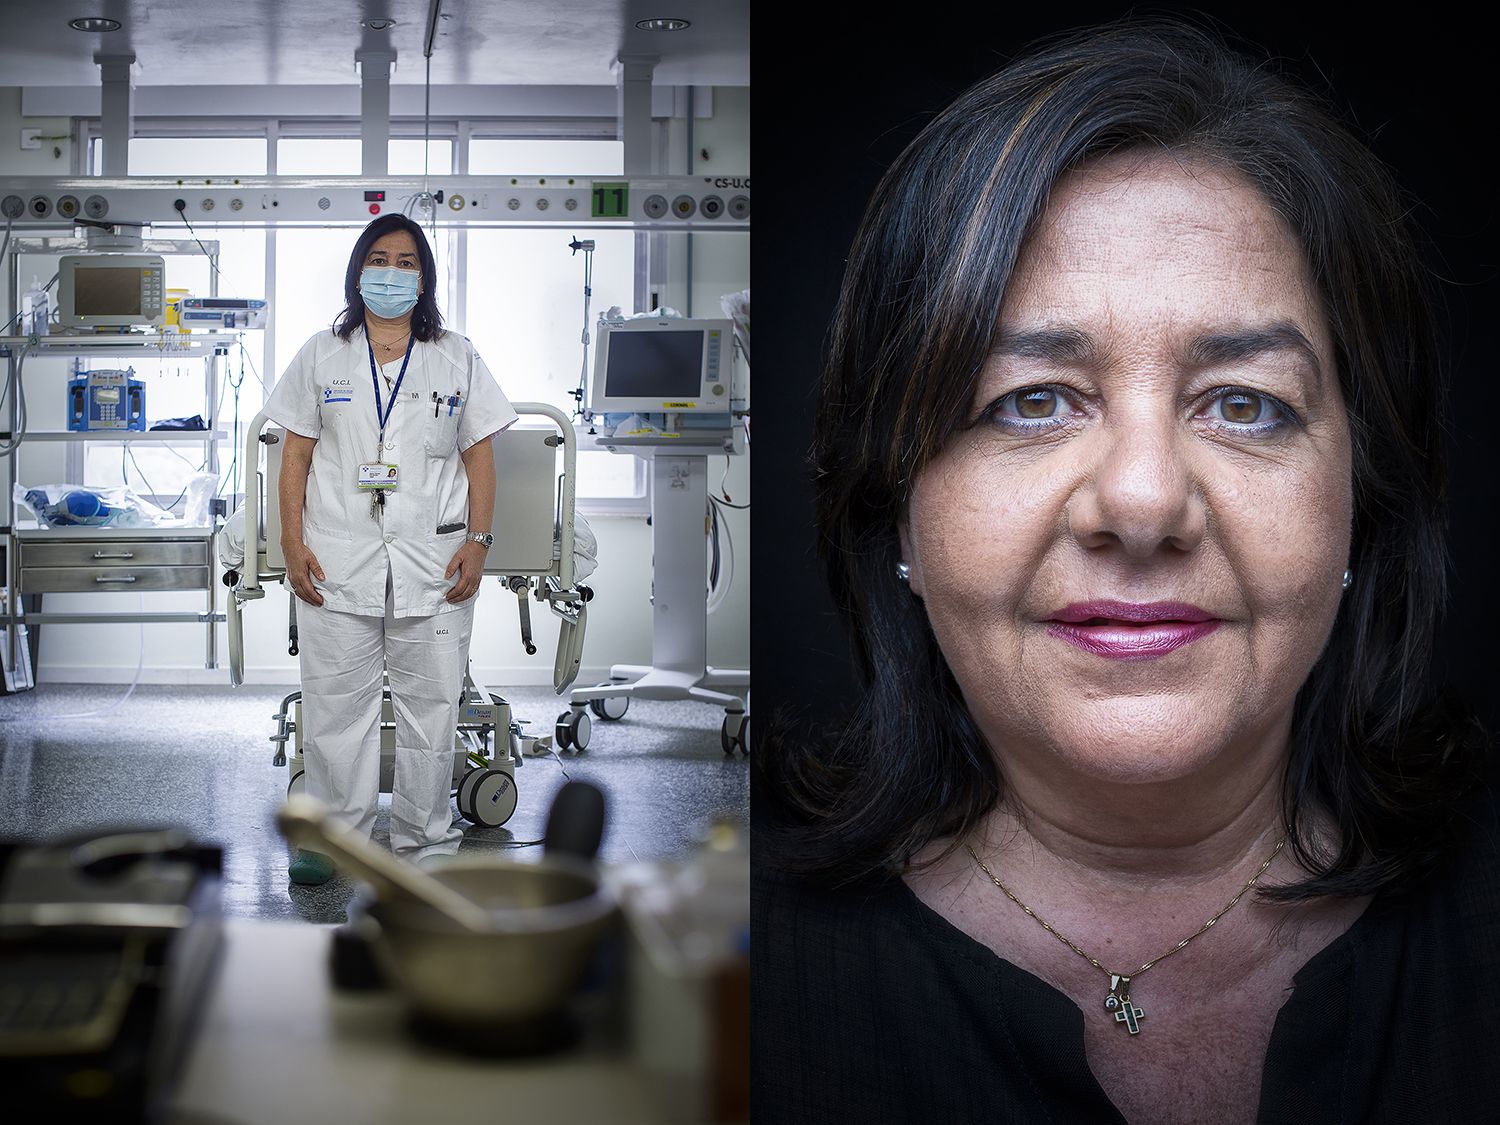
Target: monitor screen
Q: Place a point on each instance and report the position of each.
(654, 364)
(107, 291)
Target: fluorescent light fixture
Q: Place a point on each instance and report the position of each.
(667, 23)
(94, 23)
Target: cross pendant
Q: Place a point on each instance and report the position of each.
(1118, 1002)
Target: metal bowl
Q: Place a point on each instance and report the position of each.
(545, 920)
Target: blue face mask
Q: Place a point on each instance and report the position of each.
(389, 292)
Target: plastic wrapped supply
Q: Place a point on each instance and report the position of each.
(200, 490)
(585, 548)
(736, 307)
(232, 541)
(77, 505)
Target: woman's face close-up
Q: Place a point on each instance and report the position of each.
(1132, 555)
(397, 249)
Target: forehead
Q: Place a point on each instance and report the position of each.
(1172, 238)
(394, 244)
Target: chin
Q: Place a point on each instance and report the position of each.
(1139, 739)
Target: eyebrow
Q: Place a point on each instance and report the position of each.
(1069, 346)
(1053, 345)
(1220, 348)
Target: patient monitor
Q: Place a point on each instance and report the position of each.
(665, 365)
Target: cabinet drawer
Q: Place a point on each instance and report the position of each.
(116, 552)
(77, 579)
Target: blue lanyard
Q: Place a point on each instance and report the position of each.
(383, 415)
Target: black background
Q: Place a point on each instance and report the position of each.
(837, 96)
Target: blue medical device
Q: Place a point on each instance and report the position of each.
(106, 400)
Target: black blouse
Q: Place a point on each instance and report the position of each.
(869, 1007)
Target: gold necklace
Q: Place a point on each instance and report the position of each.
(1118, 1000)
(394, 343)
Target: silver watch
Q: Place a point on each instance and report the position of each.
(483, 538)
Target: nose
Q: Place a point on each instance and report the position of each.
(1142, 495)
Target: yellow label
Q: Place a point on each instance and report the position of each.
(679, 405)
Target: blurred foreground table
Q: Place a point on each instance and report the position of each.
(277, 1043)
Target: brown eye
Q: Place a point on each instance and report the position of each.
(1036, 403)
(1242, 408)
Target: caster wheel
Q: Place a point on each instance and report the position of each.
(466, 793)
(579, 726)
(611, 709)
(562, 733)
(298, 784)
(732, 732)
(745, 735)
(492, 798)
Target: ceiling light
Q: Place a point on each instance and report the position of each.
(378, 23)
(94, 23)
(670, 23)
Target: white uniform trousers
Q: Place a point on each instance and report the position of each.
(342, 657)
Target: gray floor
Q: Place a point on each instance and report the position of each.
(199, 758)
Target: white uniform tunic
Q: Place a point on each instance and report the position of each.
(384, 612)
(327, 394)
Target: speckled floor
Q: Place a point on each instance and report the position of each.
(200, 758)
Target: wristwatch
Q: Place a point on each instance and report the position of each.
(483, 538)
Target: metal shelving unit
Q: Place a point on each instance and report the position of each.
(88, 559)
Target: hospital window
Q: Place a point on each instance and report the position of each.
(340, 156)
(525, 294)
(523, 305)
(174, 387)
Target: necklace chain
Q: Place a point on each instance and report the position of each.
(394, 342)
(1181, 945)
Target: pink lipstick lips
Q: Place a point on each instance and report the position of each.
(1131, 631)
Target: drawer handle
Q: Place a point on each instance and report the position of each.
(112, 578)
(122, 555)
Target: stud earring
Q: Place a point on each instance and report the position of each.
(903, 571)
(1348, 579)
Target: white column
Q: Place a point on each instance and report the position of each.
(375, 110)
(115, 110)
(633, 85)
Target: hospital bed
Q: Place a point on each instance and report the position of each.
(533, 555)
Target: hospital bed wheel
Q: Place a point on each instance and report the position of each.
(298, 784)
(572, 730)
(492, 798)
(611, 708)
(732, 732)
(466, 793)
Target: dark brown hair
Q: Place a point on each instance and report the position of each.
(426, 321)
(917, 316)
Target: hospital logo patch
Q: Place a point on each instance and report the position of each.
(332, 394)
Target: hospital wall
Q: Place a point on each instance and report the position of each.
(619, 625)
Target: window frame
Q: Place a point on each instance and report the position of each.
(460, 131)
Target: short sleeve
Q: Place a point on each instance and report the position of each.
(293, 404)
(488, 411)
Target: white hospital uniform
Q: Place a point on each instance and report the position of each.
(383, 587)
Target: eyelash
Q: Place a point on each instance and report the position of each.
(1285, 414)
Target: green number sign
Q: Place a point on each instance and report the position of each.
(611, 201)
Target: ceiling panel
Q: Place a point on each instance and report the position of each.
(299, 42)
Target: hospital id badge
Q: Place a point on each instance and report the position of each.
(377, 475)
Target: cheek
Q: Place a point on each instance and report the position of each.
(1285, 536)
(977, 530)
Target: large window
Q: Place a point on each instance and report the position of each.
(175, 387)
(340, 156)
(520, 298)
(497, 156)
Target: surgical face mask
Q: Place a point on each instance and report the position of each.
(389, 292)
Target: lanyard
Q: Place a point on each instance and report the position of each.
(383, 415)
